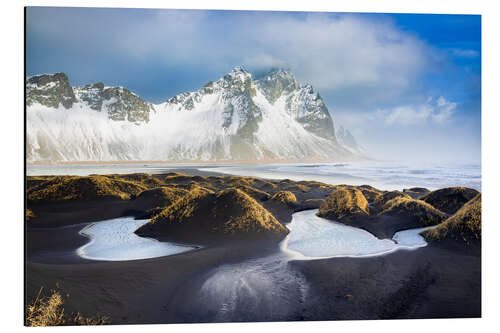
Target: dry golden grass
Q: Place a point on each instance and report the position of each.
(297, 187)
(450, 199)
(344, 203)
(234, 181)
(147, 180)
(65, 188)
(230, 211)
(246, 213)
(372, 195)
(49, 311)
(29, 214)
(387, 196)
(418, 209)
(158, 198)
(285, 197)
(253, 192)
(416, 192)
(184, 207)
(464, 225)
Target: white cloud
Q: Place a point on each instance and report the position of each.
(465, 53)
(437, 112)
(342, 51)
(328, 51)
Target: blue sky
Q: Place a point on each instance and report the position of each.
(407, 85)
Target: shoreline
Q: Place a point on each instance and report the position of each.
(205, 162)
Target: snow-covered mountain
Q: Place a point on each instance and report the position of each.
(236, 117)
(346, 139)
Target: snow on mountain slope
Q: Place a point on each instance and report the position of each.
(346, 139)
(233, 118)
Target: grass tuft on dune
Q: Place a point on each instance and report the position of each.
(29, 214)
(230, 211)
(344, 204)
(404, 206)
(158, 197)
(285, 197)
(450, 199)
(388, 196)
(49, 311)
(67, 188)
(463, 226)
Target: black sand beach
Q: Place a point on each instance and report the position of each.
(437, 281)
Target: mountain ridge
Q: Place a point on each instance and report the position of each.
(236, 117)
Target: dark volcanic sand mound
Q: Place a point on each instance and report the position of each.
(202, 214)
(157, 197)
(344, 204)
(285, 197)
(282, 205)
(72, 188)
(450, 199)
(387, 196)
(371, 193)
(413, 209)
(464, 226)
(416, 192)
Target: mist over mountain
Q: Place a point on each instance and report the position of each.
(237, 117)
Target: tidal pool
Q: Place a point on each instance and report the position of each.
(313, 237)
(115, 240)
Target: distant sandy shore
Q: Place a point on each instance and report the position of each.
(250, 161)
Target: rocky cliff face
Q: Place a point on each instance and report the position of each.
(234, 118)
(51, 90)
(54, 91)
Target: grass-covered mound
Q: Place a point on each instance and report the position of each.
(450, 199)
(67, 188)
(416, 192)
(158, 197)
(388, 196)
(230, 213)
(418, 210)
(371, 193)
(297, 188)
(147, 180)
(253, 192)
(344, 204)
(464, 226)
(284, 197)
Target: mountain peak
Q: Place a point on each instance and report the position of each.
(280, 71)
(238, 72)
(239, 69)
(51, 90)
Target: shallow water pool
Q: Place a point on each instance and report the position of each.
(313, 237)
(115, 240)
